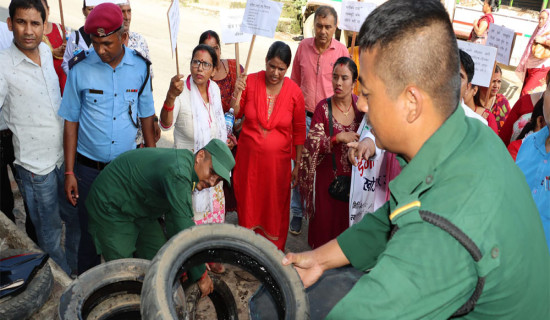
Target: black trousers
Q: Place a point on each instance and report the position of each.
(7, 158)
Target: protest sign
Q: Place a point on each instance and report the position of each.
(230, 21)
(261, 17)
(173, 27)
(354, 13)
(503, 39)
(484, 59)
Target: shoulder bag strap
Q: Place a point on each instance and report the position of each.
(330, 130)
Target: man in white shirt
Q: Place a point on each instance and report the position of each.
(30, 97)
(6, 153)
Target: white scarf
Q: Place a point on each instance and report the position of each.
(203, 133)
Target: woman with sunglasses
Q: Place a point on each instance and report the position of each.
(193, 107)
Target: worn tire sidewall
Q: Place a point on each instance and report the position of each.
(80, 290)
(155, 302)
(37, 292)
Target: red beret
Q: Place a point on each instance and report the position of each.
(104, 20)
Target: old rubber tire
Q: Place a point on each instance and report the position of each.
(107, 291)
(37, 292)
(114, 307)
(223, 243)
(222, 298)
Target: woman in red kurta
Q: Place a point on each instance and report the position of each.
(274, 108)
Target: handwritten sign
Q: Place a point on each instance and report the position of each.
(484, 59)
(354, 14)
(503, 39)
(174, 24)
(93, 3)
(231, 26)
(261, 17)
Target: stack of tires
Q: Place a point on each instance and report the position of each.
(139, 289)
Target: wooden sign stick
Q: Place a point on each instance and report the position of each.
(249, 54)
(247, 63)
(488, 94)
(237, 59)
(177, 62)
(353, 37)
(64, 35)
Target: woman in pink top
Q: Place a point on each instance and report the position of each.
(530, 68)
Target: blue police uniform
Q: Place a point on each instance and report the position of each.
(106, 103)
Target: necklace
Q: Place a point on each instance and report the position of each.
(347, 111)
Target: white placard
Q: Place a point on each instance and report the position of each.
(484, 58)
(354, 13)
(174, 24)
(230, 21)
(503, 39)
(261, 17)
(93, 3)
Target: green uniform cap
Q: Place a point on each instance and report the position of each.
(222, 159)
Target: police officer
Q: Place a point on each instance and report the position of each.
(108, 88)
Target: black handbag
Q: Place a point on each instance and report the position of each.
(340, 187)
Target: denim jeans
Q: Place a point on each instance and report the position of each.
(47, 206)
(296, 199)
(87, 253)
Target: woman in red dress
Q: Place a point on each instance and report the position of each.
(481, 26)
(53, 37)
(329, 216)
(275, 122)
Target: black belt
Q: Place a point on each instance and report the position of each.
(90, 163)
(5, 133)
(309, 114)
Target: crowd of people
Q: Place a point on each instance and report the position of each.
(391, 159)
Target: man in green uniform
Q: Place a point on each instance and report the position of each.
(141, 185)
(460, 235)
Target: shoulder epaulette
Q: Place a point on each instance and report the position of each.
(77, 58)
(139, 54)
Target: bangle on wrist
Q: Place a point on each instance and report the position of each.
(69, 173)
(204, 275)
(165, 107)
(333, 140)
(156, 119)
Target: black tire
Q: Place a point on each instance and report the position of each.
(222, 298)
(107, 291)
(37, 292)
(226, 244)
